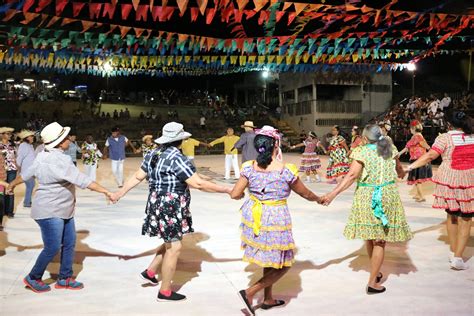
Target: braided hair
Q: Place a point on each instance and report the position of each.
(264, 146)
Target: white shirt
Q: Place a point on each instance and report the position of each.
(444, 103)
(433, 107)
(203, 120)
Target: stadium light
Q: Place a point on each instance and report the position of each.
(265, 74)
(28, 80)
(411, 67)
(10, 80)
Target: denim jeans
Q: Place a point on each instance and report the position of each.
(58, 234)
(10, 199)
(30, 185)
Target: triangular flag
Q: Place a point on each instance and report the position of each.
(202, 4)
(94, 10)
(67, 21)
(299, 7)
(241, 4)
(138, 31)
(210, 15)
(286, 5)
(142, 12)
(124, 30)
(29, 16)
(60, 5)
(109, 9)
(126, 8)
(182, 5)
(52, 21)
(27, 5)
(77, 7)
(259, 4)
(42, 4)
(135, 4)
(86, 25)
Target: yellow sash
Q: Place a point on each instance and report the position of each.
(257, 211)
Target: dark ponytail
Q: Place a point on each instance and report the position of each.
(459, 119)
(264, 146)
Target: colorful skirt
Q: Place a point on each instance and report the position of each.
(167, 216)
(310, 162)
(363, 224)
(420, 175)
(274, 246)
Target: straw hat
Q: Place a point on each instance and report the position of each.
(146, 137)
(248, 124)
(25, 133)
(172, 132)
(53, 134)
(6, 129)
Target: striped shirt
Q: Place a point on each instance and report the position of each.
(167, 169)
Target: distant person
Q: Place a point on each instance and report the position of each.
(245, 142)
(90, 157)
(202, 122)
(115, 147)
(187, 147)
(7, 149)
(73, 148)
(147, 145)
(231, 159)
(25, 158)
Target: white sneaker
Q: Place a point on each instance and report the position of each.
(459, 264)
(451, 256)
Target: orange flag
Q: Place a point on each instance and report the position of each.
(182, 5)
(242, 3)
(299, 7)
(202, 4)
(259, 4)
(29, 16)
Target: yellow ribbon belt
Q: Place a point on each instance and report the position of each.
(257, 211)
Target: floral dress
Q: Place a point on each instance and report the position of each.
(147, 148)
(338, 164)
(267, 240)
(310, 161)
(415, 149)
(167, 213)
(9, 154)
(91, 154)
(377, 211)
(454, 179)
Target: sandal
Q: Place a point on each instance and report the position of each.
(243, 297)
(268, 306)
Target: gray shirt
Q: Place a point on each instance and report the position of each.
(72, 151)
(57, 177)
(26, 155)
(246, 144)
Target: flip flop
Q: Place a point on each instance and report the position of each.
(243, 297)
(268, 306)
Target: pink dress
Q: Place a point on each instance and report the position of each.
(454, 180)
(310, 160)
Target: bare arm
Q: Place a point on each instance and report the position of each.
(354, 172)
(137, 177)
(344, 144)
(196, 182)
(94, 186)
(425, 159)
(425, 145)
(239, 188)
(106, 152)
(300, 189)
(297, 146)
(129, 143)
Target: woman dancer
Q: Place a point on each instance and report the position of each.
(454, 180)
(417, 146)
(7, 149)
(26, 156)
(310, 162)
(90, 157)
(170, 174)
(147, 145)
(377, 215)
(338, 164)
(356, 138)
(3, 188)
(54, 205)
(266, 223)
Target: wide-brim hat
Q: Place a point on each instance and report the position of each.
(53, 134)
(248, 124)
(5, 129)
(172, 132)
(25, 133)
(146, 137)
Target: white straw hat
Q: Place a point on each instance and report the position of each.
(25, 133)
(53, 134)
(6, 130)
(172, 132)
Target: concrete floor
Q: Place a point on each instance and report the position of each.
(328, 278)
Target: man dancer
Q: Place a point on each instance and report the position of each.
(115, 145)
(245, 142)
(230, 152)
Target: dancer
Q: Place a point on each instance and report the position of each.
(73, 148)
(170, 174)
(310, 162)
(3, 188)
(417, 147)
(245, 142)
(187, 147)
(7, 149)
(231, 159)
(338, 164)
(116, 144)
(147, 145)
(25, 158)
(90, 157)
(377, 215)
(356, 138)
(54, 205)
(454, 180)
(266, 223)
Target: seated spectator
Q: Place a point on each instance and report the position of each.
(445, 102)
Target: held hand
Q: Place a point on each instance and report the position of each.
(327, 199)
(114, 197)
(10, 189)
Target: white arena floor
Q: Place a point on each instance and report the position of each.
(328, 278)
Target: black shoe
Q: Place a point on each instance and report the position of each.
(379, 277)
(10, 215)
(243, 297)
(174, 297)
(371, 290)
(268, 306)
(144, 276)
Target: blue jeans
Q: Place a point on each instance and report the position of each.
(10, 199)
(58, 234)
(30, 185)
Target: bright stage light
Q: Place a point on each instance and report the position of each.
(10, 80)
(411, 67)
(265, 74)
(45, 81)
(107, 67)
(28, 80)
